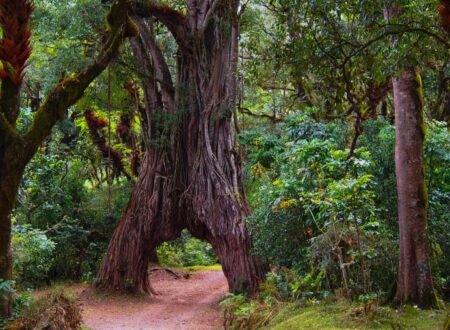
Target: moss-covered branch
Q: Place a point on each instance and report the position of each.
(71, 89)
(175, 21)
(7, 131)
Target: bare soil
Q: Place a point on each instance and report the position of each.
(183, 303)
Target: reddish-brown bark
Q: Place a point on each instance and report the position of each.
(197, 161)
(146, 223)
(414, 281)
(153, 214)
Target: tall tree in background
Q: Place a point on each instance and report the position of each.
(16, 150)
(414, 280)
(191, 175)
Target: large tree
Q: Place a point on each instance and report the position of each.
(414, 280)
(191, 174)
(16, 149)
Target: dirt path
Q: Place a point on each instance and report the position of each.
(182, 304)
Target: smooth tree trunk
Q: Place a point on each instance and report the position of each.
(205, 193)
(414, 281)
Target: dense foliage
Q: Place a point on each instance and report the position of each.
(318, 211)
(315, 128)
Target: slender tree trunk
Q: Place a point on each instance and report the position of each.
(414, 282)
(445, 114)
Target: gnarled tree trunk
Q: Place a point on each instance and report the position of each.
(414, 281)
(215, 186)
(153, 214)
(148, 221)
(205, 169)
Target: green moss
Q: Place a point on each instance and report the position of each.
(204, 268)
(419, 92)
(419, 88)
(342, 315)
(7, 131)
(132, 30)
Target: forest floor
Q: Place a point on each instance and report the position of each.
(182, 303)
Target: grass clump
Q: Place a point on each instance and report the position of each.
(345, 315)
(59, 309)
(215, 268)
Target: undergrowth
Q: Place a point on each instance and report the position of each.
(59, 309)
(289, 301)
(241, 313)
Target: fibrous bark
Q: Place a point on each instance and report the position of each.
(154, 212)
(146, 223)
(414, 281)
(191, 143)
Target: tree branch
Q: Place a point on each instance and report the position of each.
(208, 14)
(70, 90)
(160, 66)
(175, 21)
(262, 115)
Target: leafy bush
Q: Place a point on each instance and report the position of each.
(64, 193)
(169, 255)
(6, 288)
(437, 157)
(287, 285)
(186, 251)
(280, 287)
(21, 301)
(58, 309)
(241, 313)
(33, 256)
(318, 206)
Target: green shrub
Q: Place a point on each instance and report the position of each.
(186, 251)
(169, 255)
(6, 288)
(241, 313)
(318, 208)
(58, 197)
(33, 256)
